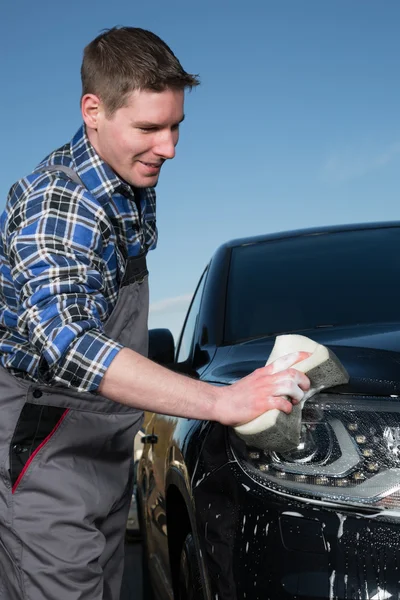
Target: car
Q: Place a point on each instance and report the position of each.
(224, 521)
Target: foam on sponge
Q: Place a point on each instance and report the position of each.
(280, 432)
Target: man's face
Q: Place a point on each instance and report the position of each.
(137, 139)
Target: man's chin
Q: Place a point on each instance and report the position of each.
(150, 184)
(144, 182)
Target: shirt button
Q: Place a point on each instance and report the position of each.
(37, 394)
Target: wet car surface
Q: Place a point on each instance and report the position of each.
(222, 520)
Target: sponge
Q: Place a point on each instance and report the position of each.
(280, 432)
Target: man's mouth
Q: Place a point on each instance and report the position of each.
(151, 165)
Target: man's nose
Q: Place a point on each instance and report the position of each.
(166, 145)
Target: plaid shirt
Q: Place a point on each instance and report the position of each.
(62, 254)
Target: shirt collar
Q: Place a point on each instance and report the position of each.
(97, 175)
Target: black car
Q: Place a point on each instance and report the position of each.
(224, 521)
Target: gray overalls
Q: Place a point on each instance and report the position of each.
(62, 520)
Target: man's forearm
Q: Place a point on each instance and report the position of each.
(138, 382)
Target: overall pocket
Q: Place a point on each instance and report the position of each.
(35, 427)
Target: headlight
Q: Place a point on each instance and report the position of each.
(349, 453)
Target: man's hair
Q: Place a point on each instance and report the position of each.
(123, 59)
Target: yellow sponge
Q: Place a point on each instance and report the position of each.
(275, 430)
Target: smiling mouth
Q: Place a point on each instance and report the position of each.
(151, 165)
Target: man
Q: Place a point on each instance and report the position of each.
(73, 330)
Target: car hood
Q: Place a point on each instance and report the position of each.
(370, 353)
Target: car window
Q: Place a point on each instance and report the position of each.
(189, 328)
(313, 281)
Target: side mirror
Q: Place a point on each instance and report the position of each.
(161, 346)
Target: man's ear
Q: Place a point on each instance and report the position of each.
(91, 107)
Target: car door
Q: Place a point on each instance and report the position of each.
(160, 432)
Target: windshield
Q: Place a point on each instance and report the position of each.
(322, 280)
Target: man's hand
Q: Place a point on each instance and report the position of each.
(275, 386)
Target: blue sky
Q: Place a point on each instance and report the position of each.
(296, 122)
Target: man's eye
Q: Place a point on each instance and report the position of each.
(147, 129)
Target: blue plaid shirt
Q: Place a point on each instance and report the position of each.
(62, 255)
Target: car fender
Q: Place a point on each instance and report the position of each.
(177, 477)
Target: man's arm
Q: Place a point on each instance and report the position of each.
(136, 381)
(56, 237)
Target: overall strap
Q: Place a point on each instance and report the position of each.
(70, 173)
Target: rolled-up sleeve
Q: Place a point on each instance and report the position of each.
(56, 247)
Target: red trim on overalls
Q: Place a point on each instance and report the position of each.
(32, 456)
